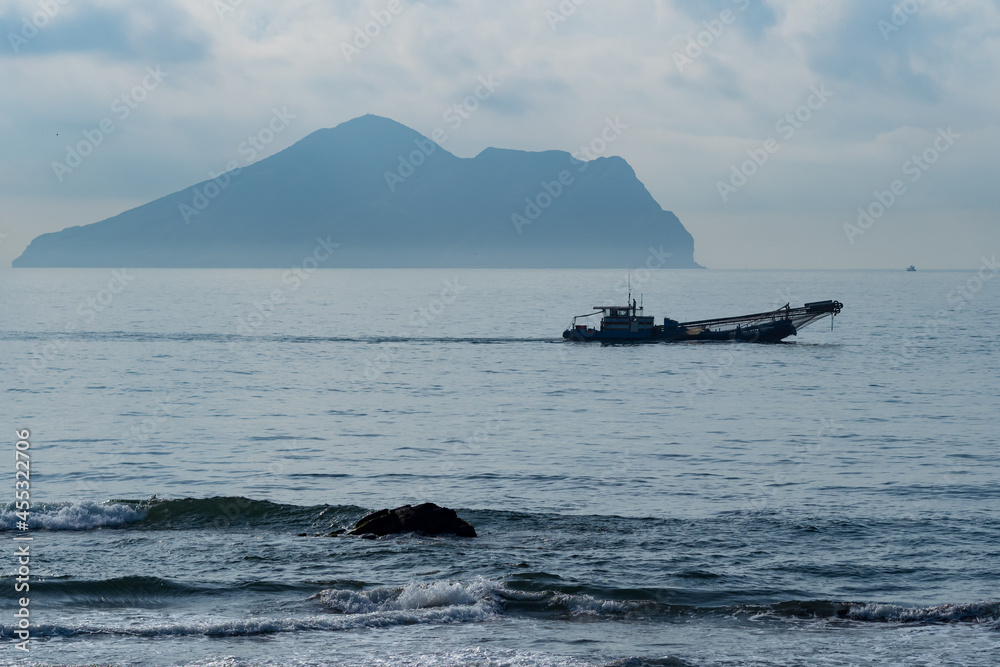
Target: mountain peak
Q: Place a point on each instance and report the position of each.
(392, 198)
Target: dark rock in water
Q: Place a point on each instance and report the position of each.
(427, 518)
(383, 522)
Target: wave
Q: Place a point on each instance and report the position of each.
(465, 601)
(238, 512)
(973, 612)
(647, 662)
(144, 592)
(480, 655)
(481, 598)
(120, 592)
(870, 612)
(407, 613)
(72, 516)
(439, 602)
(222, 512)
(351, 605)
(186, 513)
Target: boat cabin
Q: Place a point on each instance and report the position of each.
(625, 318)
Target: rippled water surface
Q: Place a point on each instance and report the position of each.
(829, 500)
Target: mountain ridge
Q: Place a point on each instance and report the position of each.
(390, 197)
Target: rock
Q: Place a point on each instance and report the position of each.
(383, 522)
(427, 519)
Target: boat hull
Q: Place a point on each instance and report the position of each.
(771, 332)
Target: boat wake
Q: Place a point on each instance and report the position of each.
(149, 336)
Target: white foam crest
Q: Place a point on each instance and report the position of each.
(591, 606)
(478, 595)
(71, 516)
(360, 602)
(440, 594)
(266, 625)
(945, 613)
(523, 596)
(491, 657)
(482, 657)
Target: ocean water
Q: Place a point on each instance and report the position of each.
(832, 500)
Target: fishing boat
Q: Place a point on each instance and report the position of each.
(628, 324)
(911, 268)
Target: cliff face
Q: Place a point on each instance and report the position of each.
(390, 198)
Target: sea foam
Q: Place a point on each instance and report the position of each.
(971, 612)
(473, 600)
(72, 516)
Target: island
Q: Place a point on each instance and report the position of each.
(372, 193)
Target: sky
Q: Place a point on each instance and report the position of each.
(818, 134)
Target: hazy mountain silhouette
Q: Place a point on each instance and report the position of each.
(390, 198)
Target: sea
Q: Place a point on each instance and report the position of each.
(193, 437)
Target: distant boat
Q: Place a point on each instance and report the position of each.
(626, 324)
(911, 268)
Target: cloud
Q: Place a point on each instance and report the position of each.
(755, 16)
(891, 91)
(159, 32)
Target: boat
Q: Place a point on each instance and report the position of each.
(911, 268)
(628, 324)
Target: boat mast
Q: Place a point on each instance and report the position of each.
(629, 303)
